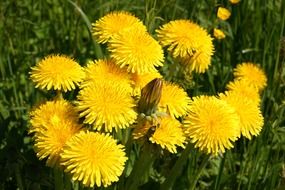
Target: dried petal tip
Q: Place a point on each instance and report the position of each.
(150, 96)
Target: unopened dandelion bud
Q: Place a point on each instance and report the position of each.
(223, 13)
(234, 1)
(150, 97)
(219, 34)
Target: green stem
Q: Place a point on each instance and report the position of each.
(18, 178)
(197, 176)
(211, 81)
(67, 182)
(58, 180)
(141, 167)
(177, 168)
(243, 162)
(218, 179)
(97, 47)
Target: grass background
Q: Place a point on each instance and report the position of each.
(30, 30)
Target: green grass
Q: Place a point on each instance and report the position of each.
(30, 30)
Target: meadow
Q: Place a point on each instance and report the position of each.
(30, 30)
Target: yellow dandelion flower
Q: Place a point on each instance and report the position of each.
(107, 70)
(251, 73)
(234, 1)
(115, 22)
(219, 34)
(140, 80)
(52, 112)
(53, 123)
(57, 72)
(93, 159)
(169, 134)
(245, 89)
(106, 106)
(188, 42)
(173, 100)
(251, 119)
(137, 51)
(212, 124)
(223, 13)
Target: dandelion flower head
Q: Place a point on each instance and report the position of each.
(53, 123)
(189, 42)
(251, 73)
(106, 106)
(137, 51)
(169, 134)
(115, 22)
(57, 72)
(93, 159)
(173, 100)
(212, 124)
(251, 119)
(244, 88)
(106, 70)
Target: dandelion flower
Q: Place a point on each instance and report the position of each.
(174, 100)
(113, 23)
(251, 119)
(234, 1)
(107, 70)
(188, 42)
(57, 72)
(219, 34)
(53, 124)
(244, 88)
(212, 124)
(106, 105)
(50, 112)
(223, 13)
(137, 51)
(93, 159)
(169, 134)
(140, 80)
(251, 73)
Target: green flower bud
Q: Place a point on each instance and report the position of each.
(150, 97)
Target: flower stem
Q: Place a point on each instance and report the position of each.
(58, 180)
(177, 168)
(218, 179)
(141, 167)
(67, 182)
(18, 177)
(198, 174)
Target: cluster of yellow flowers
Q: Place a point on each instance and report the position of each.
(223, 14)
(214, 122)
(127, 91)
